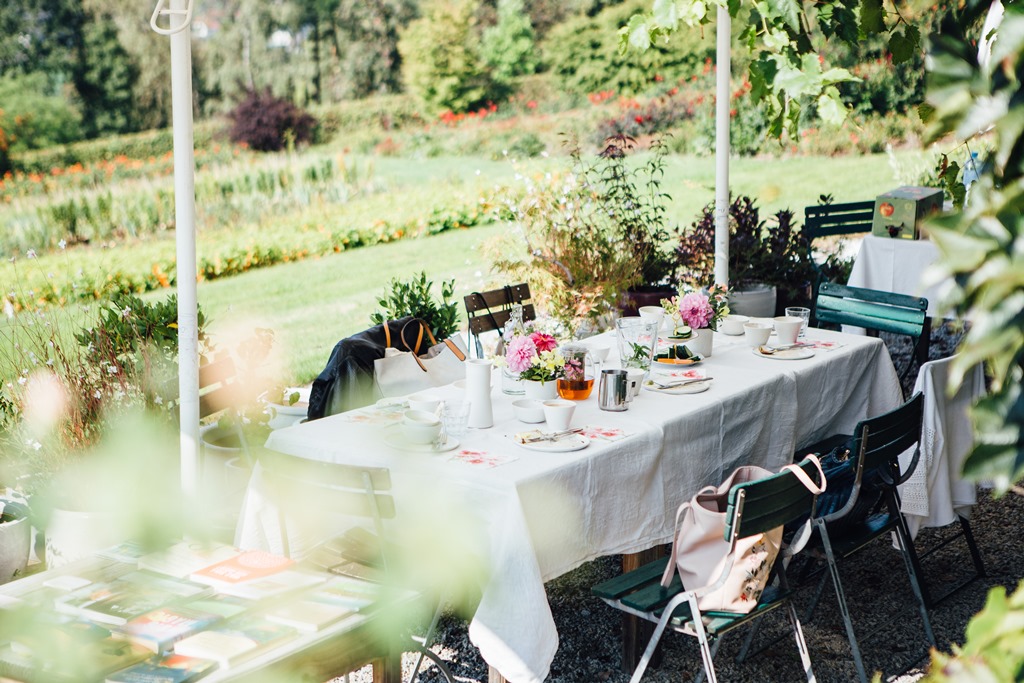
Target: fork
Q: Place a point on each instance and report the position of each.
(681, 383)
(555, 436)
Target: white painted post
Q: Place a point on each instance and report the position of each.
(722, 102)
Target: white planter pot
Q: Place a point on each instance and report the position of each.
(541, 391)
(285, 416)
(755, 301)
(701, 342)
(15, 544)
(73, 535)
(224, 479)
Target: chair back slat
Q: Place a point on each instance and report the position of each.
(838, 219)
(337, 488)
(216, 386)
(483, 323)
(490, 310)
(873, 309)
(890, 435)
(770, 502)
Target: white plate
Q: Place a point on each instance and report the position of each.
(396, 403)
(459, 383)
(576, 442)
(692, 388)
(396, 439)
(785, 354)
(676, 366)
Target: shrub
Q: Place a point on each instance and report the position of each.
(33, 119)
(266, 123)
(508, 46)
(414, 297)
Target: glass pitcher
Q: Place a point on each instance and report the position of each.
(578, 381)
(637, 339)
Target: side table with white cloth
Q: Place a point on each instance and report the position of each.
(898, 266)
(542, 514)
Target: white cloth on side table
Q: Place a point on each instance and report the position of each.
(936, 492)
(898, 266)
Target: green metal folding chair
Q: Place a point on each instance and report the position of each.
(753, 507)
(877, 444)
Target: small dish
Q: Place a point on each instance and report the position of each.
(392, 402)
(424, 402)
(419, 426)
(676, 363)
(528, 410)
(733, 324)
(785, 354)
(574, 442)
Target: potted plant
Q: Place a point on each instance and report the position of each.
(536, 360)
(15, 538)
(415, 297)
(700, 311)
(769, 261)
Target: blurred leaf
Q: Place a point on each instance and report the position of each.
(904, 44)
(665, 14)
(788, 11)
(831, 108)
(872, 19)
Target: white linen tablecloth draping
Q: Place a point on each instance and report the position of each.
(898, 266)
(543, 514)
(936, 491)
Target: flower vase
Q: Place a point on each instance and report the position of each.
(541, 391)
(478, 391)
(510, 383)
(701, 342)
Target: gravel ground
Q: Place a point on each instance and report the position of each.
(883, 608)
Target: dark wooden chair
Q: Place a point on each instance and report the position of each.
(219, 392)
(830, 220)
(876, 444)
(490, 310)
(753, 507)
(877, 311)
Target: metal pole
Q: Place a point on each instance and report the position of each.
(722, 102)
(179, 15)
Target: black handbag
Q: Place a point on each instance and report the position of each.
(839, 467)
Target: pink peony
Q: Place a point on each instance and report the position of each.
(520, 354)
(695, 310)
(543, 342)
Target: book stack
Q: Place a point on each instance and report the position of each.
(170, 669)
(255, 575)
(234, 640)
(125, 598)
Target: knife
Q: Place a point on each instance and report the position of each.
(554, 436)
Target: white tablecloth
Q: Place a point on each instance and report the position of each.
(898, 266)
(544, 514)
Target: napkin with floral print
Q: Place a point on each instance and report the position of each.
(823, 345)
(604, 433)
(481, 458)
(376, 415)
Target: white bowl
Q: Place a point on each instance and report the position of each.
(652, 313)
(424, 402)
(600, 351)
(419, 426)
(757, 333)
(733, 324)
(528, 410)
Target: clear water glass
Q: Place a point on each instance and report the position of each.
(455, 416)
(799, 312)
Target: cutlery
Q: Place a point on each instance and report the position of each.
(769, 350)
(555, 436)
(682, 383)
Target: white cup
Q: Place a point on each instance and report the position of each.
(733, 324)
(558, 414)
(652, 313)
(757, 333)
(427, 404)
(635, 379)
(600, 352)
(420, 427)
(787, 327)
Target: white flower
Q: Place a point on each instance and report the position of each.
(31, 253)
(98, 394)
(22, 380)
(8, 308)
(126, 312)
(111, 369)
(158, 399)
(36, 445)
(62, 244)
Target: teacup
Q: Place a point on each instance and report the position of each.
(652, 313)
(733, 324)
(558, 414)
(419, 426)
(757, 333)
(600, 352)
(787, 328)
(528, 410)
(635, 379)
(427, 404)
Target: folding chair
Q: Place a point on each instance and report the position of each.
(490, 310)
(934, 494)
(876, 444)
(219, 392)
(877, 312)
(828, 220)
(754, 507)
(315, 489)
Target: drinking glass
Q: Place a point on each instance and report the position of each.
(637, 339)
(799, 312)
(455, 415)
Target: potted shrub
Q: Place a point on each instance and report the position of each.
(15, 538)
(415, 297)
(769, 262)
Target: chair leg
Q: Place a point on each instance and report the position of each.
(652, 644)
(427, 640)
(702, 637)
(913, 564)
(438, 662)
(972, 545)
(714, 653)
(801, 644)
(818, 592)
(844, 610)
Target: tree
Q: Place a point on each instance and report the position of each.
(440, 62)
(370, 30)
(508, 46)
(105, 78)
(32, 119)
(40, 37)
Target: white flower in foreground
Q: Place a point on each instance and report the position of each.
(62, 244)
(31, 253)
(98, 394)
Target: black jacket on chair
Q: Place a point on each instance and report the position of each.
(347, 381)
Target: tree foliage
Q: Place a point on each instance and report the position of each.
(105, 78)
(508, 46)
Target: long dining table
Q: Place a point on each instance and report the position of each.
(532, 516)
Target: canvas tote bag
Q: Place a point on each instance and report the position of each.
(405, 370)
(700, 550)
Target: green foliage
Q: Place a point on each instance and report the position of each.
(440, 61)
(33, 119)
(38, 38)
(104, 80)
(415, 297)
(268, 124)
(372, 63)
(582, 53)
(508, 46)
(981, 247)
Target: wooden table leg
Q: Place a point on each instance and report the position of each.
(493, 676)
(637, 632)
(388, 669)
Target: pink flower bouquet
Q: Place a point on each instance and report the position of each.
(699, 309)
(535, 357)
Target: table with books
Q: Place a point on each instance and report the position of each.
(193, 611)
(533, 515)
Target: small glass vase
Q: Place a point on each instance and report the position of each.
(637, 340)
(510, 383)
(540, 391)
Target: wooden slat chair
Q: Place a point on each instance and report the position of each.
(218, 392)
(308, 492)
(830, 220)
(876, 444)
(877, 311)
(754, 507)
(490, 310)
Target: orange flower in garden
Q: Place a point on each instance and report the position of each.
(120, 159)
(35, 178)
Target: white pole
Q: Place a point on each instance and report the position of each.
(722, 102)
(180, 16)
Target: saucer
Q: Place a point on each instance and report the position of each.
(576, 442)
(396, 439)
(785, 354)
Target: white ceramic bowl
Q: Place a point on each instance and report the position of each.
(424, 402)
(652, 313)
(419, 426)
(600, 352)
(528, 410)
(733, 324)
(757, 333)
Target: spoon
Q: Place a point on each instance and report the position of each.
(682, 383)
